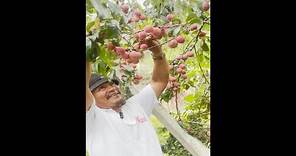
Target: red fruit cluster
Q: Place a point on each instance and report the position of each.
(170, 17)
(149, 31)
(185, 56)
(202, 34)
(137, 79)
(173, 84)
(124, 8)
(182, 71)
(194, 26)
(180, 39)
(174, 42)
(128, 56)
(110, 46)
(137, 15)
(134, 57)
(205, 5)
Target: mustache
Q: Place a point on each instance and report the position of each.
(108, 95)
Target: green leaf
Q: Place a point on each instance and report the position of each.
(191, 73)
(200, 58)
(196, 7)
(104, 56)
(191, 83)
(116, 24)
(109, 31)
(177, 30)
(94, 36)
(89, 7)
(176, 20)
(102, 68)
(114, 9)
(205, 46)
(102, 10)
(190, 98)
(206, 27)
(170, 31)
(92, 50)
(167, 95)
(156, 4)
(192, 18)
(89, 25)
(186, 86)
(128, 72)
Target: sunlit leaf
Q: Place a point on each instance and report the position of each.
(102, 10)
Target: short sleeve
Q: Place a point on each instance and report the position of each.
(146, 98)
(91, 109)
(90, 119)
(90, 116)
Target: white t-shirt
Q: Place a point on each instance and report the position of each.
(109, 135)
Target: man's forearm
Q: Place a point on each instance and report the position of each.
(88, 98)
(88, 73)
(160, 73)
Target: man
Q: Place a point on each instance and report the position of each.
(119, 127)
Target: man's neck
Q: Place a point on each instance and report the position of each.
(116, 109)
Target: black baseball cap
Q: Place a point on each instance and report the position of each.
(97, 80)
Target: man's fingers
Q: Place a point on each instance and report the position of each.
(147, 40)
(151, 43)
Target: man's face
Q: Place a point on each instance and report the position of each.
(107, 95)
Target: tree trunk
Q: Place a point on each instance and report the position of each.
(191, 144)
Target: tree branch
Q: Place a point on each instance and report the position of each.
(199, 31)
(177, 108)
(203, 74)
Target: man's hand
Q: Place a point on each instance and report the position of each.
(155, 44)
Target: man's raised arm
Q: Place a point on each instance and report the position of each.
(160, 73)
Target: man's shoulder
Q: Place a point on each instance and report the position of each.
(132, 102)
(148, 88)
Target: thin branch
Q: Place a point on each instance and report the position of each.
(203, 74)
(199, 31)
(189, 44)
(177, 108)
(163, 27)
(128, 42)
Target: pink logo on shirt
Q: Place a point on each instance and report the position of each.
(141, 119)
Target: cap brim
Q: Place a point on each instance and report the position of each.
(96, 84)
